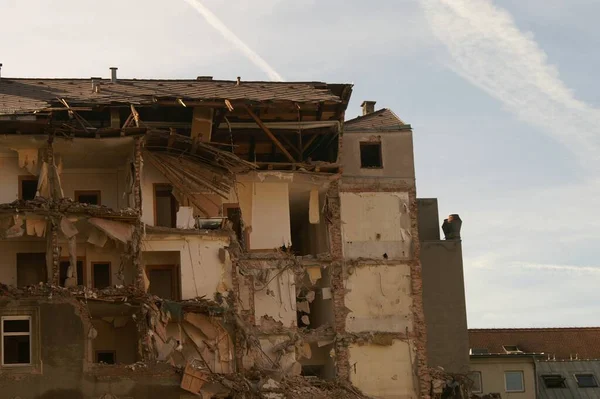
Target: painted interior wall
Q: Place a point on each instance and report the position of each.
(277, 299)
(320, 356)
(270, 216)
(150, 176)
(384, 372)
(110, 183)
(379, 299)
(396, 152)
(111, 252)
(112, 336)
(492, 375)
(9, 177)
(204, 269)
(375, 224)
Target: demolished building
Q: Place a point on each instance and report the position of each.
(174, 238)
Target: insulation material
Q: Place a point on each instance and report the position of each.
(314, 273)
(28, 158)
(313, 206)
(185, 217)
(17, 229)
(35, 227)
(68, 228)
(116, 230)
(97, 238)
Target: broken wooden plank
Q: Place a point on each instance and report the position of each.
(269, 133)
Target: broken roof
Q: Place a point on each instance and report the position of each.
(24, 95)
(384, 119)
(563, 343)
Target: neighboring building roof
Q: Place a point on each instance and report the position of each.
(28, 95)
(568, 370)
(561, 343)
(384, 119)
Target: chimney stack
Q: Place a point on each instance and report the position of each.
(368, 107)
(451, 227)
(113, 74)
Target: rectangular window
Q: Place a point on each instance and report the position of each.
(554, 381)
(586, 380)
(370, 155)
(16, 340)
(64, 266)
(31, 269)
(234, 214)
(480, 351)
(27, 187)
(101, 275)
(108, 357)
(88, 197)
(513, 381)
(475, 377)
(163, 281)
(165, 206)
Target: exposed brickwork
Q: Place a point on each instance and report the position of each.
(419, 328)
(136, 241)
(338, 289)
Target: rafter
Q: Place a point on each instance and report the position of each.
(270, 134)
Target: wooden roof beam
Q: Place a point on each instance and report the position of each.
(270, 134)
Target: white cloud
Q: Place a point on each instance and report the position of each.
(489, 51)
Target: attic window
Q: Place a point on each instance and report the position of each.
(586, 380)
(480, 351)
(370, 155)
(511, 349)
(554, 381)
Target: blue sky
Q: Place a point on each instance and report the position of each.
(503, 98)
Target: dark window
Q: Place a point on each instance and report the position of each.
(480, 351)
(64, 266)
(165, 206)
(101, 275)
(16, 340)
(31, 269)
(554, 381)
(107, 357)
(163, 281)
(88, 197)
(586, 380)
(28, 187)
(370, 155)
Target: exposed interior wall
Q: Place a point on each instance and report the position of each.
(150, 176)
(118, 334)
(384, 372)
(110, 183)
(276, 300)
(307, 238)
(9, 176)
(321, 307)
(321, 361)
(379, 299)
(376, 225)
(8, 256)
(396, 152)
(111, 253)
(492, 375)
(204, 268)
(270, 216)
(444, 305)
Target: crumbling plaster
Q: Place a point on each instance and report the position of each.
(276, 300)
(204, 268)
(376, 225)
(110, 183)
(385, 372)
(379, 299)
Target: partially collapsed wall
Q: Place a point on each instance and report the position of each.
(173, 246)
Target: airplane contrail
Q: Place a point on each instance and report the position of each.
(216, 23)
